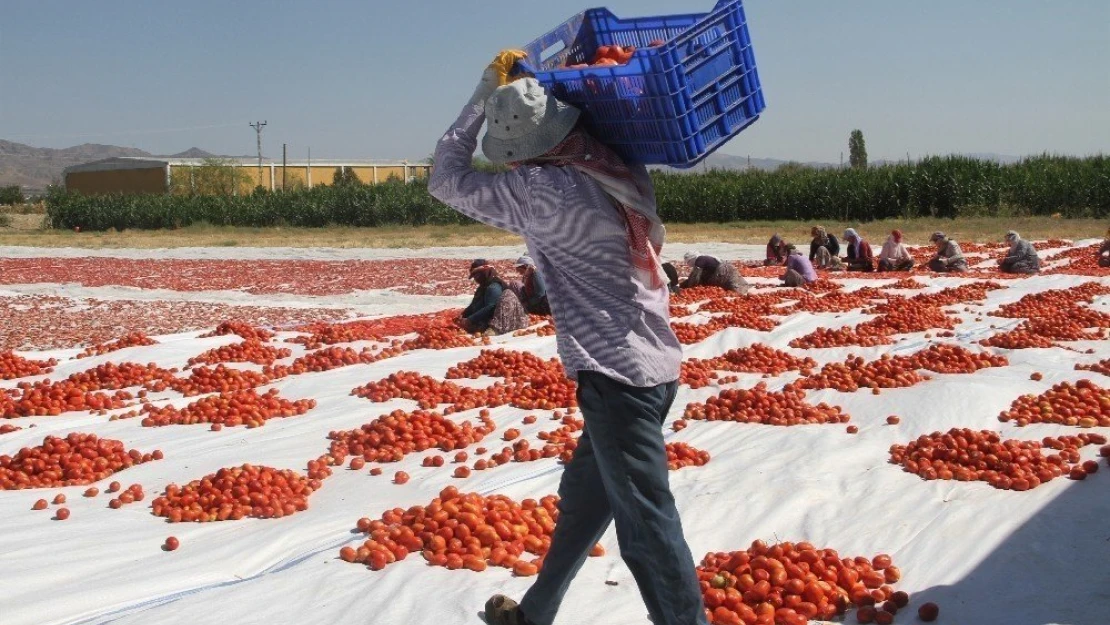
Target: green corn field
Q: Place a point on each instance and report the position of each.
(946, 187)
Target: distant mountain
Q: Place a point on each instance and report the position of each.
(36, 168)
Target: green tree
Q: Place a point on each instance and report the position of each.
(345, 176)
(213, 176)
(857, 151)
(11, 195)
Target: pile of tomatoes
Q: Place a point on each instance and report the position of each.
(235, 493)
(112, 377)
(759, 405)
(855, 373)
(391, 437)
(134, 339)
(428, 392)
(327, 359)
(835, 301)
(463, 531)
(611, 56)
(791, 583)
(1082, 404)
(841, 337)
(1102, 366)
(905, 283)
(967, 455)
(1050, 303)
(70, 461)
(757, 358)
(53, 398)
(947, 358)
(229, 409)
(12, 366)
(219, 379)
(242, 329)
(250, 350)
(503, 363)
(681, 455)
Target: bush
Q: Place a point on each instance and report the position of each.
(935, 187)
(5, 220)
(11, 195)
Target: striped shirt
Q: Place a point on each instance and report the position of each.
(607, 320)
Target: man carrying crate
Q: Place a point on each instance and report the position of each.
(591, 226)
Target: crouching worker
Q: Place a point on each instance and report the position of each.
(533, 291)
(1104, 251)
(894, 255)
(799, 271)
(949, 257)
(776, 251)
(711, 271)
(1022, 256)
(590, 222)
(860, 257)
(495, 309)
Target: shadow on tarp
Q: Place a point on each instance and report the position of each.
(1054, 569)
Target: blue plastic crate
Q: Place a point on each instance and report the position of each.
(673, 104)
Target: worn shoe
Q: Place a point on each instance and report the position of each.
(501, 610)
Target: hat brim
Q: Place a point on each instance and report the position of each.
(559, 119)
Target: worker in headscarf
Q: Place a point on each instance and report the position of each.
(672, 277)
(533, 291)
(494, 309)
(776, 251)
(894, 255)
(590, 221)
(860, 257)
(1021, 257)
(799, 271)
(948, 257)
(824, 250)
(711, 271)
(1104, 251)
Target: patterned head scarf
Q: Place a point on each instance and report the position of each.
(896, 235)
(820, 235)
(690, 258)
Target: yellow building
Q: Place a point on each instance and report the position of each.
(129, 174)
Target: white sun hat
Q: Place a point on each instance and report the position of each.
(523, 122)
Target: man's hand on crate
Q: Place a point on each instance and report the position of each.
(496, 74)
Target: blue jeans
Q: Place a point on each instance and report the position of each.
(619, 473)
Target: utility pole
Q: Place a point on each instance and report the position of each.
(283, 168)
(258, 131)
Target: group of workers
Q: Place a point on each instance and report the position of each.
(499, 307)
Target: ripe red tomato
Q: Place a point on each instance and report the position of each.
(928, 612)
(172, 543)
(61, 514)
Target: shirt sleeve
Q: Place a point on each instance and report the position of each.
(539, 289)
(499, 200)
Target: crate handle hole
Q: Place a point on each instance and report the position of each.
(552, 50)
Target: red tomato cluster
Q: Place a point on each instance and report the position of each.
(1081, 404)
(698, 294)
(547, 329)
(242, 329)
(946, 358)
(904, 318)
(46, 322)
(131, 495)
(758, 405)
(237, 492)
(428, 392)
(564, 440)
(443, 337)
(231, 409)
(250, 350)
(389, 438)
(681, 455)
(71, 461)
(835, 301)
(1021, 337)
(758, 358)
(462, 531)
(1102, 366)
(905, 283)
(329, 358)
(48, 398)
(963, 294)
(966, 455)
(841, 337)
(855, 373)
(689, 333)
(12, 366)
(1049, 303)
(370, 329)
(503, 363)
(607, 56)
(219, 379)
(134, 339)
(791, 583)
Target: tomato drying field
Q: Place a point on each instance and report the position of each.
(212, 436)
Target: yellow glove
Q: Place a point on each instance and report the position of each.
(496, 74)
(503, 63)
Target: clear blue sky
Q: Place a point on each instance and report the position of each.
(381, 79)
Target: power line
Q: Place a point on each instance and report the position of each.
(121, 132)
